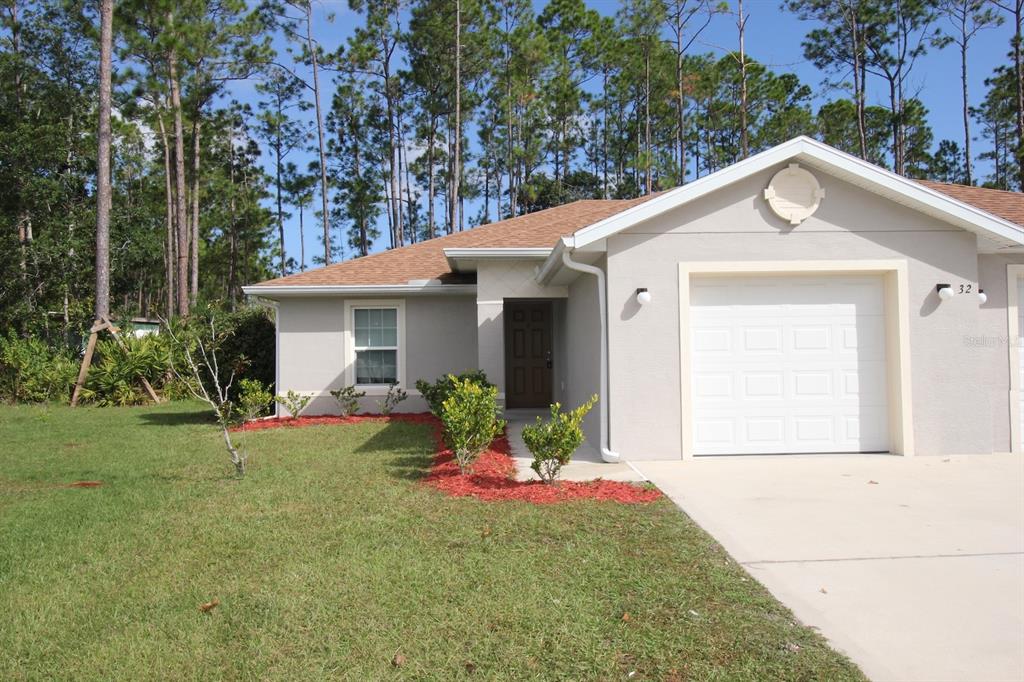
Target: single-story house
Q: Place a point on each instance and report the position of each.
(799, 301)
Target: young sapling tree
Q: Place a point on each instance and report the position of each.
(202, 378)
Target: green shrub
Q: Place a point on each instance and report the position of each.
(471, 419)
(31, 371)
(247, 346)
(113, 378)
(436, 393)
(554, 442)
(254, 399)
(293, 402)
(348, 400)
(391, 399)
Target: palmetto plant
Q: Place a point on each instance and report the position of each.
(114, 378)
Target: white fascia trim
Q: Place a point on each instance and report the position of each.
(537, 253)
(550, 267)
(284, 291)
(464, 259)
(822, 156)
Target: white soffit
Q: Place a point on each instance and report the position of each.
(465, 259)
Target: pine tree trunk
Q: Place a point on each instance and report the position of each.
(604, 133)
(647, 120)
(103, 180)
(969, 175)
(456, 215)
(431, 141)
(196, 153)
(169, 241)
(1018, 72)
(744, 133)
(393, 172)
(277, 188)
(412, 219)
(302, 240)
(897, 164)
(180, 214)
(681, 109)
(319, 133)
(858, 85)
(233, 228)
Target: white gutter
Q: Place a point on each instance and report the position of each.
(465, 259)
(272, 291)
(607, 454)
(498, 253)
(550, 266)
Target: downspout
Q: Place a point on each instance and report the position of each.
(607, 454)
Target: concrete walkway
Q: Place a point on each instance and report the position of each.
(586, 464)
(912, 566)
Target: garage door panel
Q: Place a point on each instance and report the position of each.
(763, 385)
(785, 434)
(813, 385)
(788, 364)
(714, 386)
(713, 340)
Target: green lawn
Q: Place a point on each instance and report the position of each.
(329, 558)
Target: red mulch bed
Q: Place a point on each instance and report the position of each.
(327, 420)
(493, 474)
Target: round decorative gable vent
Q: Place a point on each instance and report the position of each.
(794, 194)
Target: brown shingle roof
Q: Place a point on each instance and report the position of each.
(425, 260)
(1005, 205)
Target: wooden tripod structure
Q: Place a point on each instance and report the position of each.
(98, 326)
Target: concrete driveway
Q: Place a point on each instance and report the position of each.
(914, 567)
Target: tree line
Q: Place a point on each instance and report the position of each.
(433, 116)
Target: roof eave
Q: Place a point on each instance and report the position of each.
(275, 292)
(553, 263)
(466, 259)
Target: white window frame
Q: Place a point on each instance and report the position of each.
(349, 357)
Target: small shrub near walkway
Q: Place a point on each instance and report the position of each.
(493, 475)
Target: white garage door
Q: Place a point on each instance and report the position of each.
(788, 364)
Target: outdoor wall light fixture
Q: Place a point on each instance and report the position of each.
(945, 291)
(982, 297)
(643, 296)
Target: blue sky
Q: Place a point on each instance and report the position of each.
(773, 37)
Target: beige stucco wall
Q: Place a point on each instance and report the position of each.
(496, 281)
(440, 337)
(583, 343)
(993, 343)
(955, 405)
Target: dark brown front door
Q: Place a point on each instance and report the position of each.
(528, 353)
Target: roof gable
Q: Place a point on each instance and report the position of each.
(925, 197)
